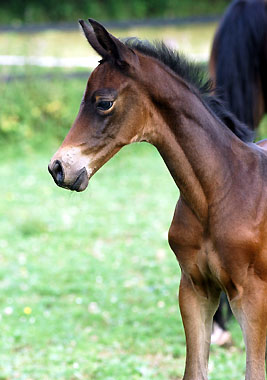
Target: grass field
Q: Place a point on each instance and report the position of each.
(88, 282)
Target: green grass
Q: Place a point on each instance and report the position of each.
(88, 282)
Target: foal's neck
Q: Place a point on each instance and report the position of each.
(198, 150)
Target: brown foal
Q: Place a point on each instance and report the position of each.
(218, 232)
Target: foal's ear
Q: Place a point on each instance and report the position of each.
(107, 45)
(91, 38)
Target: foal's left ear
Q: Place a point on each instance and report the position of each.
(110, 46)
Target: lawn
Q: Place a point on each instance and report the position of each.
(89, 284)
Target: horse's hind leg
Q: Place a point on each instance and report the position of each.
(197, 312)
(250, 309)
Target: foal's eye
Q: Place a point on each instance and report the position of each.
(104, 105)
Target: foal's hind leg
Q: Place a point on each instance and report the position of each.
(197, 312)
(250, 309)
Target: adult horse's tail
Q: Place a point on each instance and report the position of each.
(237, 58)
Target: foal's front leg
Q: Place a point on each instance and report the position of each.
(197, 301)
(197, 313)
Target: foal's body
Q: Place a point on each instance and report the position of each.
(214, 258)
(218, 235)
(218, 232)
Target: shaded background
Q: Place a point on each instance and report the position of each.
(88, 282)
(33, 11)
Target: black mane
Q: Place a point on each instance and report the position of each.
(195, 75)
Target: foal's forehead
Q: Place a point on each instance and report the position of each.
(106, 75)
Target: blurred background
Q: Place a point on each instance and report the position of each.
(88, 282)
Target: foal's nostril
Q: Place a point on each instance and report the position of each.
(57, 172)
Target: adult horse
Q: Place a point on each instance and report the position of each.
(237, 66)
(148, 93)
(238, 60)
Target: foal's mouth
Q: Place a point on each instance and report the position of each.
(79, 184)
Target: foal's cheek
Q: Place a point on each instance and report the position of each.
(126, 123)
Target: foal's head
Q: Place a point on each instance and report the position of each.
(112, 112)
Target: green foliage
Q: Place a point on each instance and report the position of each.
(47, 110)
(262, 130)
(47, 10)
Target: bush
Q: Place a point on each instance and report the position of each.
(48, 110)
(32, 11)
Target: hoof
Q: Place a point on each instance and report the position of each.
(221, 337)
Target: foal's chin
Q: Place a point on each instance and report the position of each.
(76, 185)
(79, 185)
